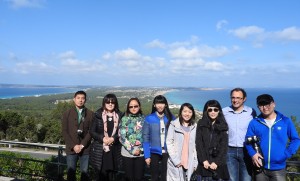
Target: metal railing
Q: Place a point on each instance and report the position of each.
(293, 167)
(20, 169)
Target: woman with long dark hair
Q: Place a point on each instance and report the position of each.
(131, 137)
(154, 137)
(105, 153)
(212, 143)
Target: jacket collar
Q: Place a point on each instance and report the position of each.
(177, 125)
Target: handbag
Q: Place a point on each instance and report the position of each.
(194, 176)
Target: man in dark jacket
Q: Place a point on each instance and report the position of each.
(76, 123)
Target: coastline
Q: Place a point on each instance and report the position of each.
(163, 92)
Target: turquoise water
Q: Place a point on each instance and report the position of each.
(287, 100)
(12, 92)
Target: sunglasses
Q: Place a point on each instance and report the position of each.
(212, 109)
(109, 102)
(130, 107)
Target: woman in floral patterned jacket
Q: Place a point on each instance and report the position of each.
(131, 138)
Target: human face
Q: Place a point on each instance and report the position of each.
(110, 105)
(267, 110)
(237, 100)
(213, 112)
(160, 107)
(134, 107)
(186, 114)
(79, 100)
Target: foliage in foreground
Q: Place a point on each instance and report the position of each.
(22, 166)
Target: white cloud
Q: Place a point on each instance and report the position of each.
(258, 35)
(215, 66)
(129, 61)
(184, 63)
(107, 56)
(198, 52)
(156, 44)
(193, 60)
(206, 51)
(183, 52)
(290, 33)
(73, 62)
(128, 53)
(246, 31)
(31, 67)
(67, 55)
(221, 24)
(191, 42)
(194, 66)
(26, 3)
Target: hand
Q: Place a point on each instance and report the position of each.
(213, 166)
(206, 164)
(105, 140)
(137, 152)
(257, 160)
(148, 161)
(111, 140)
(77, 148)
(108, 140)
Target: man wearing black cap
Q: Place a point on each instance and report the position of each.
(273, 131)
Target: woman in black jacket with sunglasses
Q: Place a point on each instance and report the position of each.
(211, 143)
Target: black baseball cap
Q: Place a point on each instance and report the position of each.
(264, 99)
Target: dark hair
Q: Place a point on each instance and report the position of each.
(112, 98)
(189, 106)
(81, 92)
(239, 90)
(214, 103)
(161, 99)
(264, 99)
(139, 103)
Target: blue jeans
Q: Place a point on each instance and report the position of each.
(72, 163)
(271, 175)
(239, 164)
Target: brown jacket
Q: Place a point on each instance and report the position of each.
(69, 130)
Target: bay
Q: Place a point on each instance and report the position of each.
(287, 100)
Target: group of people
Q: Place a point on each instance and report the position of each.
(232, 143)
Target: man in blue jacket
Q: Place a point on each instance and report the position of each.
(273, 131)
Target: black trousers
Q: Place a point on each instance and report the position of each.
(106, 175)
(158, 166)
(134, 168)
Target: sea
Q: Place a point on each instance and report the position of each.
(287, 99)
(7, 92)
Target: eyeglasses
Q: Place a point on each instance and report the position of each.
(212, 109)
(265, 106)
(136, 106)
(236, 98)
(109, 102)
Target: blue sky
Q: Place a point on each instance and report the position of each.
(191, 43)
